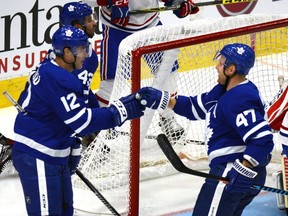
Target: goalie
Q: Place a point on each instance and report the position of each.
(117, 24)
(238, 137)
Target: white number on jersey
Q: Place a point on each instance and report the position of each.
(241, 118)
(85, 77)
(69, 102)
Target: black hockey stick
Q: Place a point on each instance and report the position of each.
(96, 192)
(200, 4)
(78, 172)
(168, 150)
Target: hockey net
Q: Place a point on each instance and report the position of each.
(119, 159)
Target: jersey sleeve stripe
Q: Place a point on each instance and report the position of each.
(27, 99)
(89, 117)
(200, 103)
(75, 117)
(194, 110)
(254, 129)
(262, 134)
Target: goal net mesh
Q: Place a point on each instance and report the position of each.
(176, 58)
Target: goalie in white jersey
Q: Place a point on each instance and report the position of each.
(239, 140)
(118, 24)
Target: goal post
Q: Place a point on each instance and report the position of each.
(175, 58)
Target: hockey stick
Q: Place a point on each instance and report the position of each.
(78, 172)
(15, 104)
(200, 4)
(96, 192)
(168, 150)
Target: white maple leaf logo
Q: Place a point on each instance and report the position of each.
(240, 50)
(68, 33)
(71, 8)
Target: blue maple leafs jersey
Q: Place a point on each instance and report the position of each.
(85, 76)
(56, 110)
(235, 125)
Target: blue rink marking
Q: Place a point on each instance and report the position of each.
(264, 204)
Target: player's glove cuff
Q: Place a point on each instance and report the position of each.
(243, 170)
(154, 98)
(120, 115)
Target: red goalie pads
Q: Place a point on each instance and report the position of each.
(277, 108)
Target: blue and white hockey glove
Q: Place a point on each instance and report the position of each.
(240, 178)
(186, 7)
(119, 11)
(75, 156)
(126, 108)
(153, 98)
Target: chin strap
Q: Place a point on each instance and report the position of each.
(73, 63)
(227, 77)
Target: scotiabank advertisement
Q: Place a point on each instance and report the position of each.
(27, 27)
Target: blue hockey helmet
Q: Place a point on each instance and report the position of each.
(241, 55)
(74, 11)
(71, 37)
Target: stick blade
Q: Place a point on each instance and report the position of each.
(169, 152)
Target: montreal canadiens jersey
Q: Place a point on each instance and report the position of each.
(137, 21)
(55, 110)
(235, 125)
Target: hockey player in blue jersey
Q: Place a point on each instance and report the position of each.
(79, 15)
(239, 140)
(45, 152)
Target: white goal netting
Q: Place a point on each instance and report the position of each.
(174, 58)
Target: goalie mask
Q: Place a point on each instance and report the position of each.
(74, 12)
(241, 55)
(70, 37)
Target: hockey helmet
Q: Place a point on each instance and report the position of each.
(241, 55)
(71, 37)
(74, 11)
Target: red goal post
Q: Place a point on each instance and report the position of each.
(145, 59)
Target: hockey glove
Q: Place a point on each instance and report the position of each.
(75, 156)
(240, 178)
(126, 108)
(186, 8)
(153, 98)
(119, 11)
